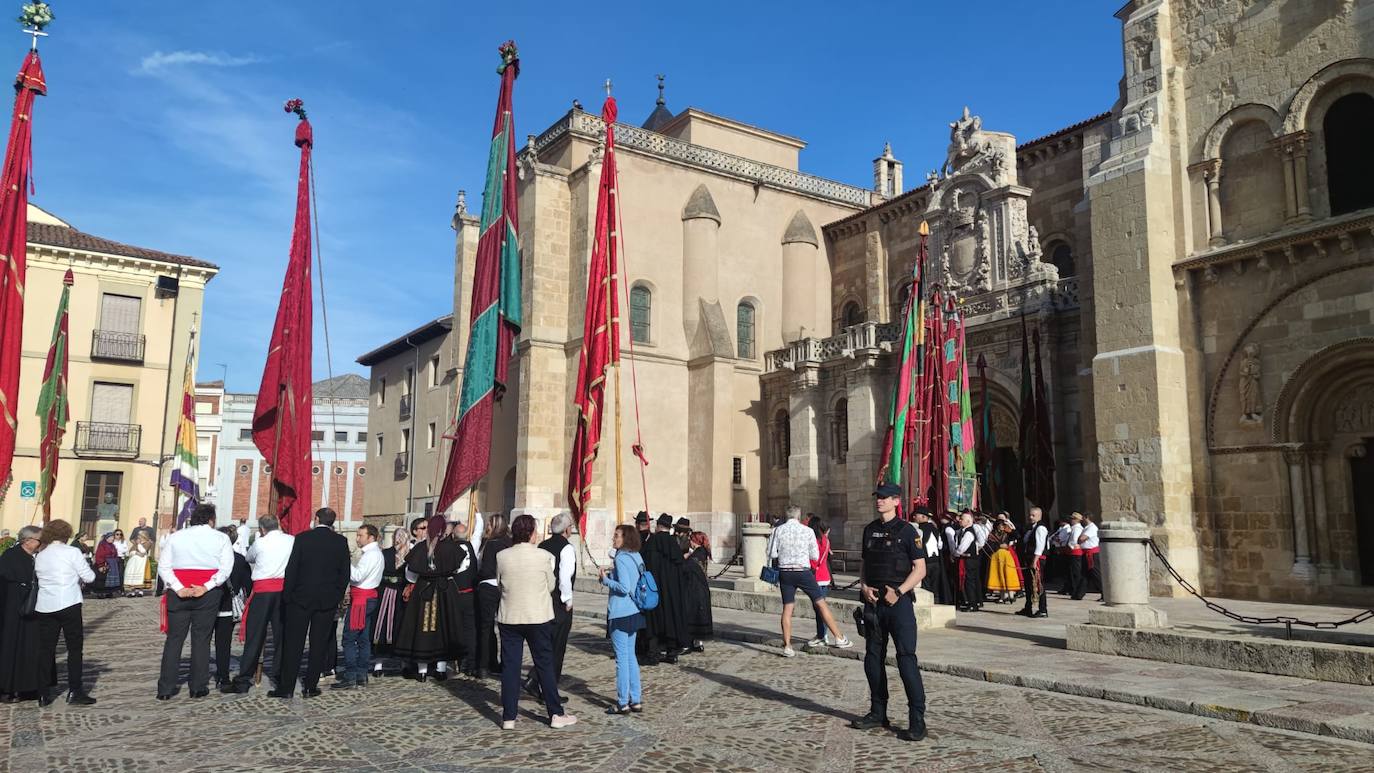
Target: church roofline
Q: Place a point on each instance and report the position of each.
(1070, 129)
(698, 113)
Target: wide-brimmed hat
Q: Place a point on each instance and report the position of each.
(665, 520)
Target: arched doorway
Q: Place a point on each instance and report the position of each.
(1325, 418)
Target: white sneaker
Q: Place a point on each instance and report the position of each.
(816, 643)
(829, 640)
(843, 644)
(562, 721)
(788, 652)
(508, 724)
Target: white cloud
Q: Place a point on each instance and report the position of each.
(159, 60)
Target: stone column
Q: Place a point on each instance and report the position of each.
(1211, 175)
(867, 394)
(806, 414)
(800, 252)
(1322, 548)
(1300, 175)
(1290, 199)
(1297, 485)
(700, 268)
(754, 539)
(1126, 578)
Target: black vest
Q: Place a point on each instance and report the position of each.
(555, 545)
(1025, 549)
(465, 578)
(884, 562)
(959, 542)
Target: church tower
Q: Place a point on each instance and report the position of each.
(887, 174)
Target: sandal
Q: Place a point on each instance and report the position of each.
(613, 709)
(637, 708)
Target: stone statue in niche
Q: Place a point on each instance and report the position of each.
(1251, 401)
(1033, 253)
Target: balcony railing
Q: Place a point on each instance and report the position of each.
(402, 465)
(405, 405)
(113, 345)
(100, 438)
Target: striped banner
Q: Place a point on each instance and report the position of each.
(186, 472)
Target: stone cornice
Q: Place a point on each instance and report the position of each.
(1286, 243)
(633, 138)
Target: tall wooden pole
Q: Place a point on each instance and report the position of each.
(619, 474)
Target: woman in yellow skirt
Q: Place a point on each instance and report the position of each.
(1004, 570)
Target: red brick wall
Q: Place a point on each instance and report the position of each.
(338, 486)
(317, 472)
(264, 488)
(356, 506)
(243, 488)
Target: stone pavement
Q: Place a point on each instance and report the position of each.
(1000, 647)
(737, 707)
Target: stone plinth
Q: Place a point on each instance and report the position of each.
(1126, 578)
(754, 539)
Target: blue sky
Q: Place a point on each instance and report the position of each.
(164, 127)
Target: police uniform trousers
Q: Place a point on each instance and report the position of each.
(897, 622)
(263, 614)
(194, 616)
(1034, 584)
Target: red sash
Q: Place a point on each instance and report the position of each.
(1091, 554)
(1075, 551)
(187, 578)
(357, 608)
(265, 585)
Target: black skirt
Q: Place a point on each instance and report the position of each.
(430, 628)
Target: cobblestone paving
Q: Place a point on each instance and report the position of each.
(733, 708)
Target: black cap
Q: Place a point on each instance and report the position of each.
(665, 520)
(641, 517)
(887, 490)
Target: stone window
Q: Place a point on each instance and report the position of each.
(1348, 125)
(431, 435)
(737, 471)
(435, 377)
(851, 314)
(744, 330)
(317, 435)
(246, 433)
(839, 430)
(362, 437)
(340, 437)
(782, 439)
(641, 305)
(1061, 255)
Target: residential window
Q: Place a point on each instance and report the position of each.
(434, 376)
(737, 471)
(405, 439)
(641, 303)
(381, 391)
(410, 379)
(431, 435)
(744, 330)
(381, 448)
(317, 435)
(362, 437)
(340, 437)
(246, 433)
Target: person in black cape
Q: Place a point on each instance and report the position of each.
(666, 635)
(392, 609)
(700, 624)
(19, 644)
(430, 631)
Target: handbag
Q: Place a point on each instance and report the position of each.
(769, 573)
(30, 603)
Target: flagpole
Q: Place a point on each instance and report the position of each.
(472, 507)
(619, 473)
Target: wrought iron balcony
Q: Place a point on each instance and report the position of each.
(406, 403)
(402, 465)
(100, 438)
(113, 345)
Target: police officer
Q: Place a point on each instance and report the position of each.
(893, 565)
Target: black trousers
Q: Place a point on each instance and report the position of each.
(197, 618)
(1092, 573)
(68, 623)
(1033, 580)
(970, 591)
(558, 632)
(467, 631)
(319, 625)
(224, 638)
(897, 622)
(1076, 586)
(266, 612)
(488, 599)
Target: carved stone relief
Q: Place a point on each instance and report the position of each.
(1248, 382)
(1355, 413)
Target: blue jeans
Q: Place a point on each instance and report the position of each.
(357, 646)
(627, 689)
(821, 630)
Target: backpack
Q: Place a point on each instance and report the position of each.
(646, 590)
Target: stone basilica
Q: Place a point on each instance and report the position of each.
(1198, 259)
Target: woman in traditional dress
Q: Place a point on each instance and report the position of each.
(137, 568)
(699, 622)
(429, 632)
(391, 610)
(107, 567)
(19, 642)
(1004, 572)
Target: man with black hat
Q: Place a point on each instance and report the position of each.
(665, 635)
(893, 566)
(682, 532)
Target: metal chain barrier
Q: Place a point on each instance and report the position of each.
(727, 566)
(1250, 619)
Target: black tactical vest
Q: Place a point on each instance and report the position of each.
(885, 563)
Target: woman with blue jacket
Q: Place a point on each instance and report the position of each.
(623, 618)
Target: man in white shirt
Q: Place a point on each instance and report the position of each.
(363, 579)
(1092, 572)
(194, 564)
(1031, 550)
(243, 538)
(268, 555)
(60, 569)
(969, 564)
(564, 566)
(792, 547)
(1076, 556)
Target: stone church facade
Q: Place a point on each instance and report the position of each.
(1199, 261)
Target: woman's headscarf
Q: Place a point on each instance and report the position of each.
(106, 549)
